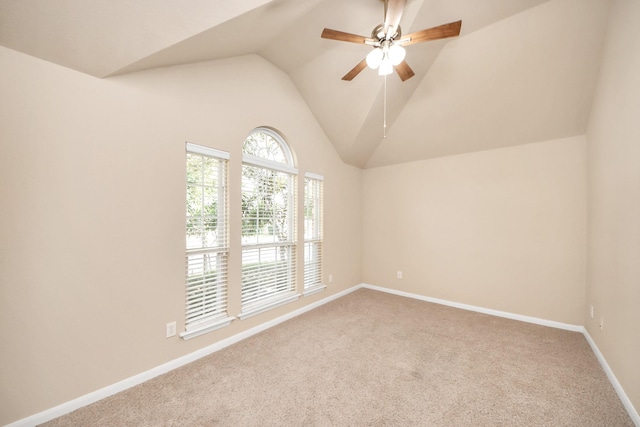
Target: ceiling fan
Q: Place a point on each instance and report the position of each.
(388, 53)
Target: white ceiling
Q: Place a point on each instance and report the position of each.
(521, 71)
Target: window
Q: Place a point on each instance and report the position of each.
(207, 246)
(312, 234)
(268, 223)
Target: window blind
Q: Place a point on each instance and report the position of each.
(267, 272)
(268, 224)
(268, 236)
(313, 233)
(207, 246)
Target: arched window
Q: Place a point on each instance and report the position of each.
(267, 145)
(268, 222)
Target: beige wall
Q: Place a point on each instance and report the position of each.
(502, 229)
(92, 223)
(613, 275)
(92, 217)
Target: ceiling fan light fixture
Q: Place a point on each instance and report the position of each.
(396, 54)
(386, 67)
(388, 53)
(374, 58)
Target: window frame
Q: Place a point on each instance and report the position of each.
(313, 239)
(280, 297)
(217, 294)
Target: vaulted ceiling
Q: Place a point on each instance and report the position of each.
(521, 71)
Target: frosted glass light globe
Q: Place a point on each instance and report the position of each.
(386, 67)
(374, 58)
(397, 54)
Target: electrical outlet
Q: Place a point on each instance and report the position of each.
(171, 329)
(601, 323)
(331, 278)
(591, 311)
(399, 274)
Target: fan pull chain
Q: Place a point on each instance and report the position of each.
(384, 120)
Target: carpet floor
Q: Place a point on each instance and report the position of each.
(375, 359)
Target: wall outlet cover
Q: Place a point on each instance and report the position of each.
(171, 329)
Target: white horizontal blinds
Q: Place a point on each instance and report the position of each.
(267, 272)
(312, 231)
(205, 298)
(268, 234)
(268, 221)
(206, 237)
(267, 206)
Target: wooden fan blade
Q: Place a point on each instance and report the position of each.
(355, 70)
(330, 34)
(451, 29)
(404, 71)
(392, 14)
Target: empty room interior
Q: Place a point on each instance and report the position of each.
(493, 171)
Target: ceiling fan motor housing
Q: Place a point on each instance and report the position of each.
(378, 33)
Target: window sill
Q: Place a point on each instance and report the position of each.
(268, 305)
(207, 327)
(313, 290)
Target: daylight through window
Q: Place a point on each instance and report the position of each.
(268, 223)
(312, 233)
(207, 246)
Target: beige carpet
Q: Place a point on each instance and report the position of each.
(372, 359)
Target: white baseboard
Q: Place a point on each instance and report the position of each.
(87, 399)
(110, 390)
(633, 414)
(635, 417)
(528, 319)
